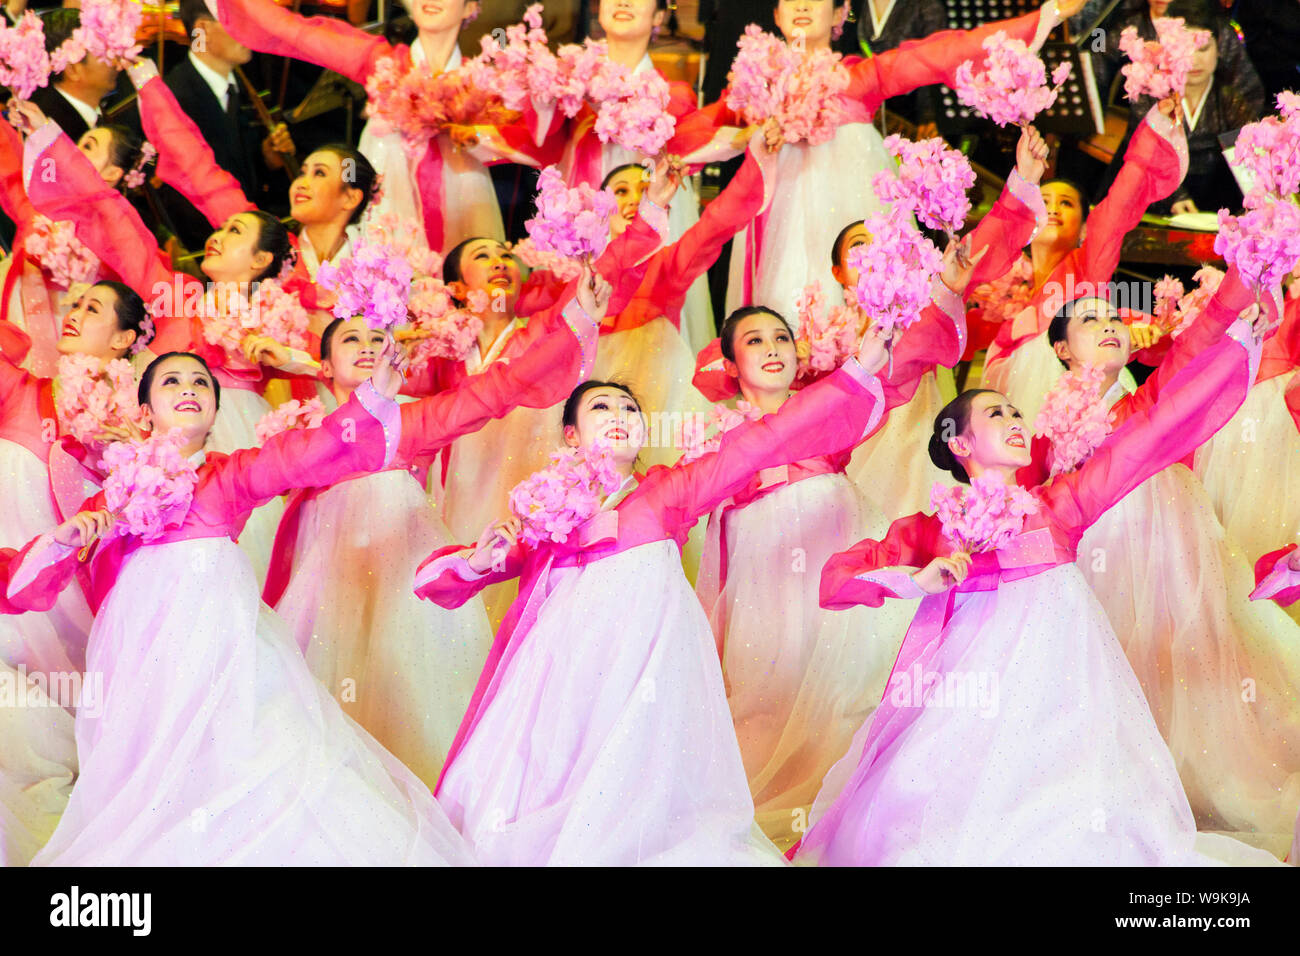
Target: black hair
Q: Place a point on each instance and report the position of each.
(727, 334)
(364, 178)
(1058, 328)
(124, 146)
(328, 336)
(191, 12)
(1195, 13)
(604, 183)
(146, 380)
(953, 420)
(451, 262)
(837, 254)
(570, 416)
(1085, 197)
(59, 25)
(129, 309)
(272, 237)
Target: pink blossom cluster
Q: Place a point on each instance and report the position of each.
(375, 282)
(895, 270)
(450, 332)
(24, 64)
(1159, 67)
(579, 65)
(1011, 85)
(553, 502)
(561, 267)
(1168, 291)
(290, 415)
(61, 254)
(228, 319)
(1193, 303)
(803, 91)
(831, 336)
(272, 311)
(984, 516)
(523, 70)
(281, 315)
(153, 311)
(91, 396)
(1074, 418)
(107, 31)
(150, 485)
(1270, 149)
(632, 108)
(931, 182)
(1007, 296)
(700, 439)
(1263, 242)
(570, 222)
(420, 105)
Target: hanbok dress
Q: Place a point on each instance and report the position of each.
(1013, 730)
(599, 732)
(213, 744)
(345, 556)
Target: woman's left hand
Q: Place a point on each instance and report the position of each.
(959, 265)
(264, 350)
(667, 176)
(1143, 335)
(129, 432)
(873, 351)
(593, 293)
(25, 116)
(390, 369)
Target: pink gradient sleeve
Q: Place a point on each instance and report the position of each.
(871, 571)
(34, 576)
(13, 197)
(334, 44)
(446, 579)
(1006, 229)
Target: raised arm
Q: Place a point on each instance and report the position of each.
(269, 28)
(871, 571)
(13, 197)
(185, 160)
(1006, 229)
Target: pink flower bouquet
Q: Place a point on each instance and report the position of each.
(1263, 242)
(290, 415)
(570, 222)
(1074, 418)
(895, 270)
(1270, 149)
(931, 182)
(523, 70)
(632, 109)
(1191, 304)
(61, 254)
(150, 485)
(556, 500)
(375, 282)
(24, 64)
(984, 516)
(803, 91)
(107, 31)
(1011, 86)
(1159, 67)
(831, 336)
(1007, 296)
(450, 332)
(88, 396)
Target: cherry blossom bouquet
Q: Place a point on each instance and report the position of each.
(1007, 296)
(1270, 149)
(290, 415)
(90, 396)
(107, 31)
(148, 328)
(931, 182)
(523, 70)
(984, 516)
(570, 222)
(562, 267)
(559, 498)
(579, 66)
(803, 91)
(1159, 67)
(61, 254)
(1011, 85)
(375, 282)
(831, 336)
(24, 64)
(449, 332)
(1263, 242)
(704, 438)
(1074, 418)
(632, 108)
(230, 315)
(1191, 304)
(420, 105)
(150, 485)
(895, 270)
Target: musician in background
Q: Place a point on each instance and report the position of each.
(207, 89)
(1219, 97)
(74, 97)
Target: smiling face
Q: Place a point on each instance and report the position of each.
(91, 328)
(488, 265)
(97, 144)
(628, 186)
(1095, 336)
(1064, 215)
(813, 19)
(629, 19)
(996, 436)
(845, 274)
(181, 396)
(231, 253)
(612, 416)
(319, 194)
(354, 348)
(438, 16)
(765, 354)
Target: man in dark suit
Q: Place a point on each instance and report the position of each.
(74, 96)
(205, 86)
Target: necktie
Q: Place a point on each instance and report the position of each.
(232, 104)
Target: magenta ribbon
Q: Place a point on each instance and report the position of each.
(433, 199)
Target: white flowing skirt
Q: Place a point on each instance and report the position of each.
(1251, 470)
(403, 668)
(1221, 672)
(892, 467)
(236, 428)
(1036, 747)
(800, 679)
(819, 190)
(215, 745)
(608, 741)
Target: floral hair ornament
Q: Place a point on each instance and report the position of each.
(135, 176)
(148, 328)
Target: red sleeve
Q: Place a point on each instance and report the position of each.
(1005, 230)
(13, 197)
(911, 542)
(937, 338)
(334, 44)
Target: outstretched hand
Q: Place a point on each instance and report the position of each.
(25, 116)
(959, 265)
(873, 350)
(664, 181)
(1031, 155)
(593, 292)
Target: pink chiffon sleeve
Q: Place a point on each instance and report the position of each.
(937, 338)
(871, 571)
(45, 567)
(1006, 229)
(185, 160)
(13, 197)
(446, 579)
(334, 44)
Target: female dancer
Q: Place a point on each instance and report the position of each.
(345, 554)
(236, 754)
(785, 249)
(1221, 675)
(1011, 696)
(1262, 444)
(1067, 263)
(249, 247)
(448, 188)
(618, 749)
